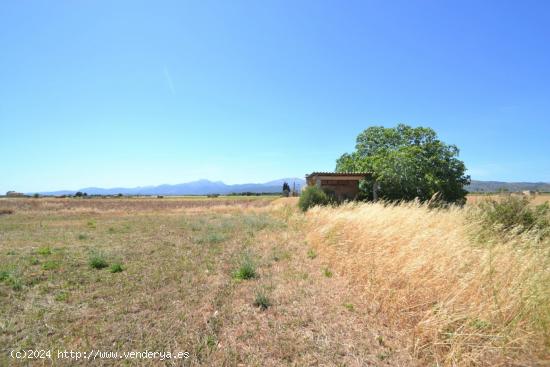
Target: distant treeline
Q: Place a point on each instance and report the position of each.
(498, 186)
(247, 193)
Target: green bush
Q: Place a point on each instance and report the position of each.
(514, 214)
(312, 196)
(98, 261)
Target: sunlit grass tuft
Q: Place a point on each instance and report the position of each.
(246, 269)
(116, 268)
(97, 260)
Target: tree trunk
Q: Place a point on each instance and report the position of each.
(375, 188)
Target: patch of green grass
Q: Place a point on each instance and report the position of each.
(15, 283)
(311, 254)
(211, 341)
(327, 272)
(195, 224)
(261, 300)
(62, 296)
(34, 261)
(91, 224)
(82, 236)
(4, 275)
(333, 235)
(246, 269)
(261, 221)
(116, 268)
(11, 279)
(98, 261)
(278, 254)
(45, 251)
(384, 355)
(212, 238)
(349, 306)
(480, 324)
(50, 265)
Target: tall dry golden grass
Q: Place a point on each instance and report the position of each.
(460, 302)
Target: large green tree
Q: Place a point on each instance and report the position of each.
(405, 163)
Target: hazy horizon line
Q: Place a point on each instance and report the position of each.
(134, 186)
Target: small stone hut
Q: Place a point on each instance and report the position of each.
(344, 185)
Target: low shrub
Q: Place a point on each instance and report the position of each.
(513, 214)
(312, 196)
(6, 211)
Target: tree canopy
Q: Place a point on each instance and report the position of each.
(406, 163)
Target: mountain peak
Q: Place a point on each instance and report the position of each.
(198, 187)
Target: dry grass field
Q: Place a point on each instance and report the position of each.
(457, 300)
(182, 287)
(255, 282)
(535, 199)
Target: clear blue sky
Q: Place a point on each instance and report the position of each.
(130, 93)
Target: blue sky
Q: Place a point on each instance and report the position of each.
(130, 93)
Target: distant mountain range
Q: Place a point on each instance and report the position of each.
(493, 186)
(200, 187)
(205, 187)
